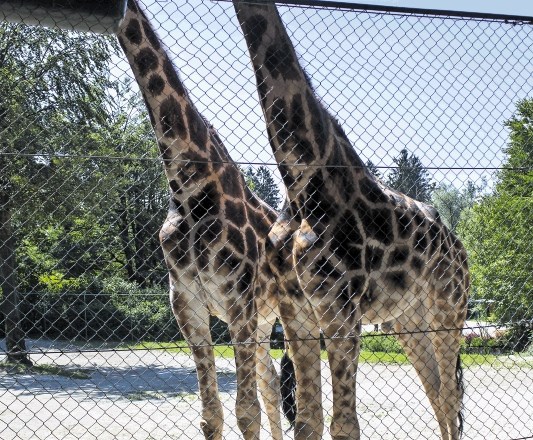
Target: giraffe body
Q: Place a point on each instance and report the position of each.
(363, 252)
(214, 240)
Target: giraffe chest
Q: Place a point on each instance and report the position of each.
(220, 257)
(342, 270)
(234, 303)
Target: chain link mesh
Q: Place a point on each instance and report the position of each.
(437, 107)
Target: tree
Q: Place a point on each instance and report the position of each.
(51, 82)
(516, 175)
(104, 226)
(451, 201)
(143, 196)
(411, 178)
(498, 234)
(263, 184)
(373, 169)
(136, 202)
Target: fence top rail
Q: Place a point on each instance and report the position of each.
(401, 10)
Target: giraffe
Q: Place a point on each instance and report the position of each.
(363, 252)
(214, 239)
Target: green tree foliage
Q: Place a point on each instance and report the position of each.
(52, 85)
(80, 184)
(112, 234)
(497, 231)
(136, 199)
(373, 169)
(263, 184)
(451, 202)
(51, 82)
(517, 175)
(411, 178)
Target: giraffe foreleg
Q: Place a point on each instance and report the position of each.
(303, 337)
(212, 414)
(343, 353)
(194, 325)
(247, 409)
(339, 320)
(268, 380)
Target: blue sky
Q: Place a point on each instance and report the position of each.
(440, 88)
(510, 7)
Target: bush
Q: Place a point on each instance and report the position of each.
(67, 312)
(519, 337)
(473, 343)
(112, 309)
(375, 341)
(139, 313)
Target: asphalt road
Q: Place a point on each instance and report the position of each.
(154, 395)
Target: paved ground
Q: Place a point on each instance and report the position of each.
(154, 395)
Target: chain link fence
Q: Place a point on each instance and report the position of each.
(436, 106)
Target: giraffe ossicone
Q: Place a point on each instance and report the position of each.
(363, 252)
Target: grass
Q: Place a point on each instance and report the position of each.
(227, 351)
(474, 359)
(371, 357)
(223, 351)
(46, 369)
(366, 356)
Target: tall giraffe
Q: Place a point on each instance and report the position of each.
(214, 239)
(362, 251)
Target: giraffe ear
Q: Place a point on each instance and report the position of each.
(303, 238)
(279, 233)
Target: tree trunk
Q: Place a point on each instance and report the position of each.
(139, 236)
(124, 235)
(10, 304)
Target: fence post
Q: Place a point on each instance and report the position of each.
(9, 306)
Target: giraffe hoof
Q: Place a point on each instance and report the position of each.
(210, 432)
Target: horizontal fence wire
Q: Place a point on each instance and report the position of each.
(266, 340)
(218, 162)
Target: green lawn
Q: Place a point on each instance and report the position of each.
(226, 351)
(366, 356)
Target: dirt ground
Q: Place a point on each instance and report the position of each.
(154, 395)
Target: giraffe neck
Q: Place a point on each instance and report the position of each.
(185, 141)
(303, 135)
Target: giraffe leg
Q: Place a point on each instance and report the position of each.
(212, 413)
(446, 345)
(419, 349)
(194, 324)
(447, 315)
(303, 335)
(248, 410)
(340, 323)
(268, 380)
(343, 353)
